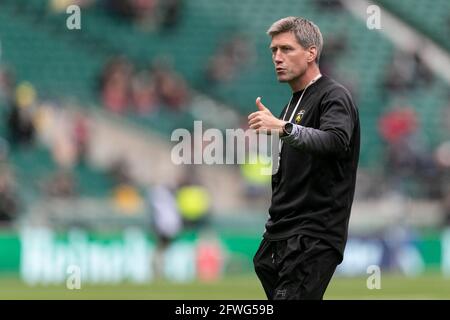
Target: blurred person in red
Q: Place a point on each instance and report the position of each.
(407, 157)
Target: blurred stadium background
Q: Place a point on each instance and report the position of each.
(86, 177)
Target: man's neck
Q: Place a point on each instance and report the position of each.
(301, 83)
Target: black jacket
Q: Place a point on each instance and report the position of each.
(313, 189)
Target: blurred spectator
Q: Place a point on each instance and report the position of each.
(166, 219)
(398, 124)
(8, 198)
(21, 128)
(170, 13)
(7, 82)
(166, 222)
(142, 12)
(114, 83)
(4, 150)
(127, 198)
(193, 200)
(171, 87)
(64, 150)
(20, 119)
(255, 177)
(61, 184)
(408, 159)
(446, 208)
(442, 156)
(143, 90)
(9, 203)
(65, 132)
(422, 74)
(144, 96)
(119, 172)
(220, 69)
(126, 195)
(230, 57)
(445, 116)
(149, 15)
(398, 128)
(407, 71)
(81, 131)
(209, 257)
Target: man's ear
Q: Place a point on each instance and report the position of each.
(312, 53)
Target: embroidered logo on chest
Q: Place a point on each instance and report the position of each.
(299, 116)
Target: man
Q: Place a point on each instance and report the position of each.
(312, 191)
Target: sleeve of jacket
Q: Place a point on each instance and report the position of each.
(337, 121)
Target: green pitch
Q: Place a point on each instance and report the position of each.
(239, 287)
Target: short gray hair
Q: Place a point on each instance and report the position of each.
(305, 31)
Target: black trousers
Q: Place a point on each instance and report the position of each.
(298, 268)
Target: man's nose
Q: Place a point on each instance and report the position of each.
(277, 58)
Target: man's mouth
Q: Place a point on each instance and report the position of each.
(280, 70)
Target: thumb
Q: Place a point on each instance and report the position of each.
(259, 104)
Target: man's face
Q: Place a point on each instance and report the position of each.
(289, 57)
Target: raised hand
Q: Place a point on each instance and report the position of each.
(264, 121)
